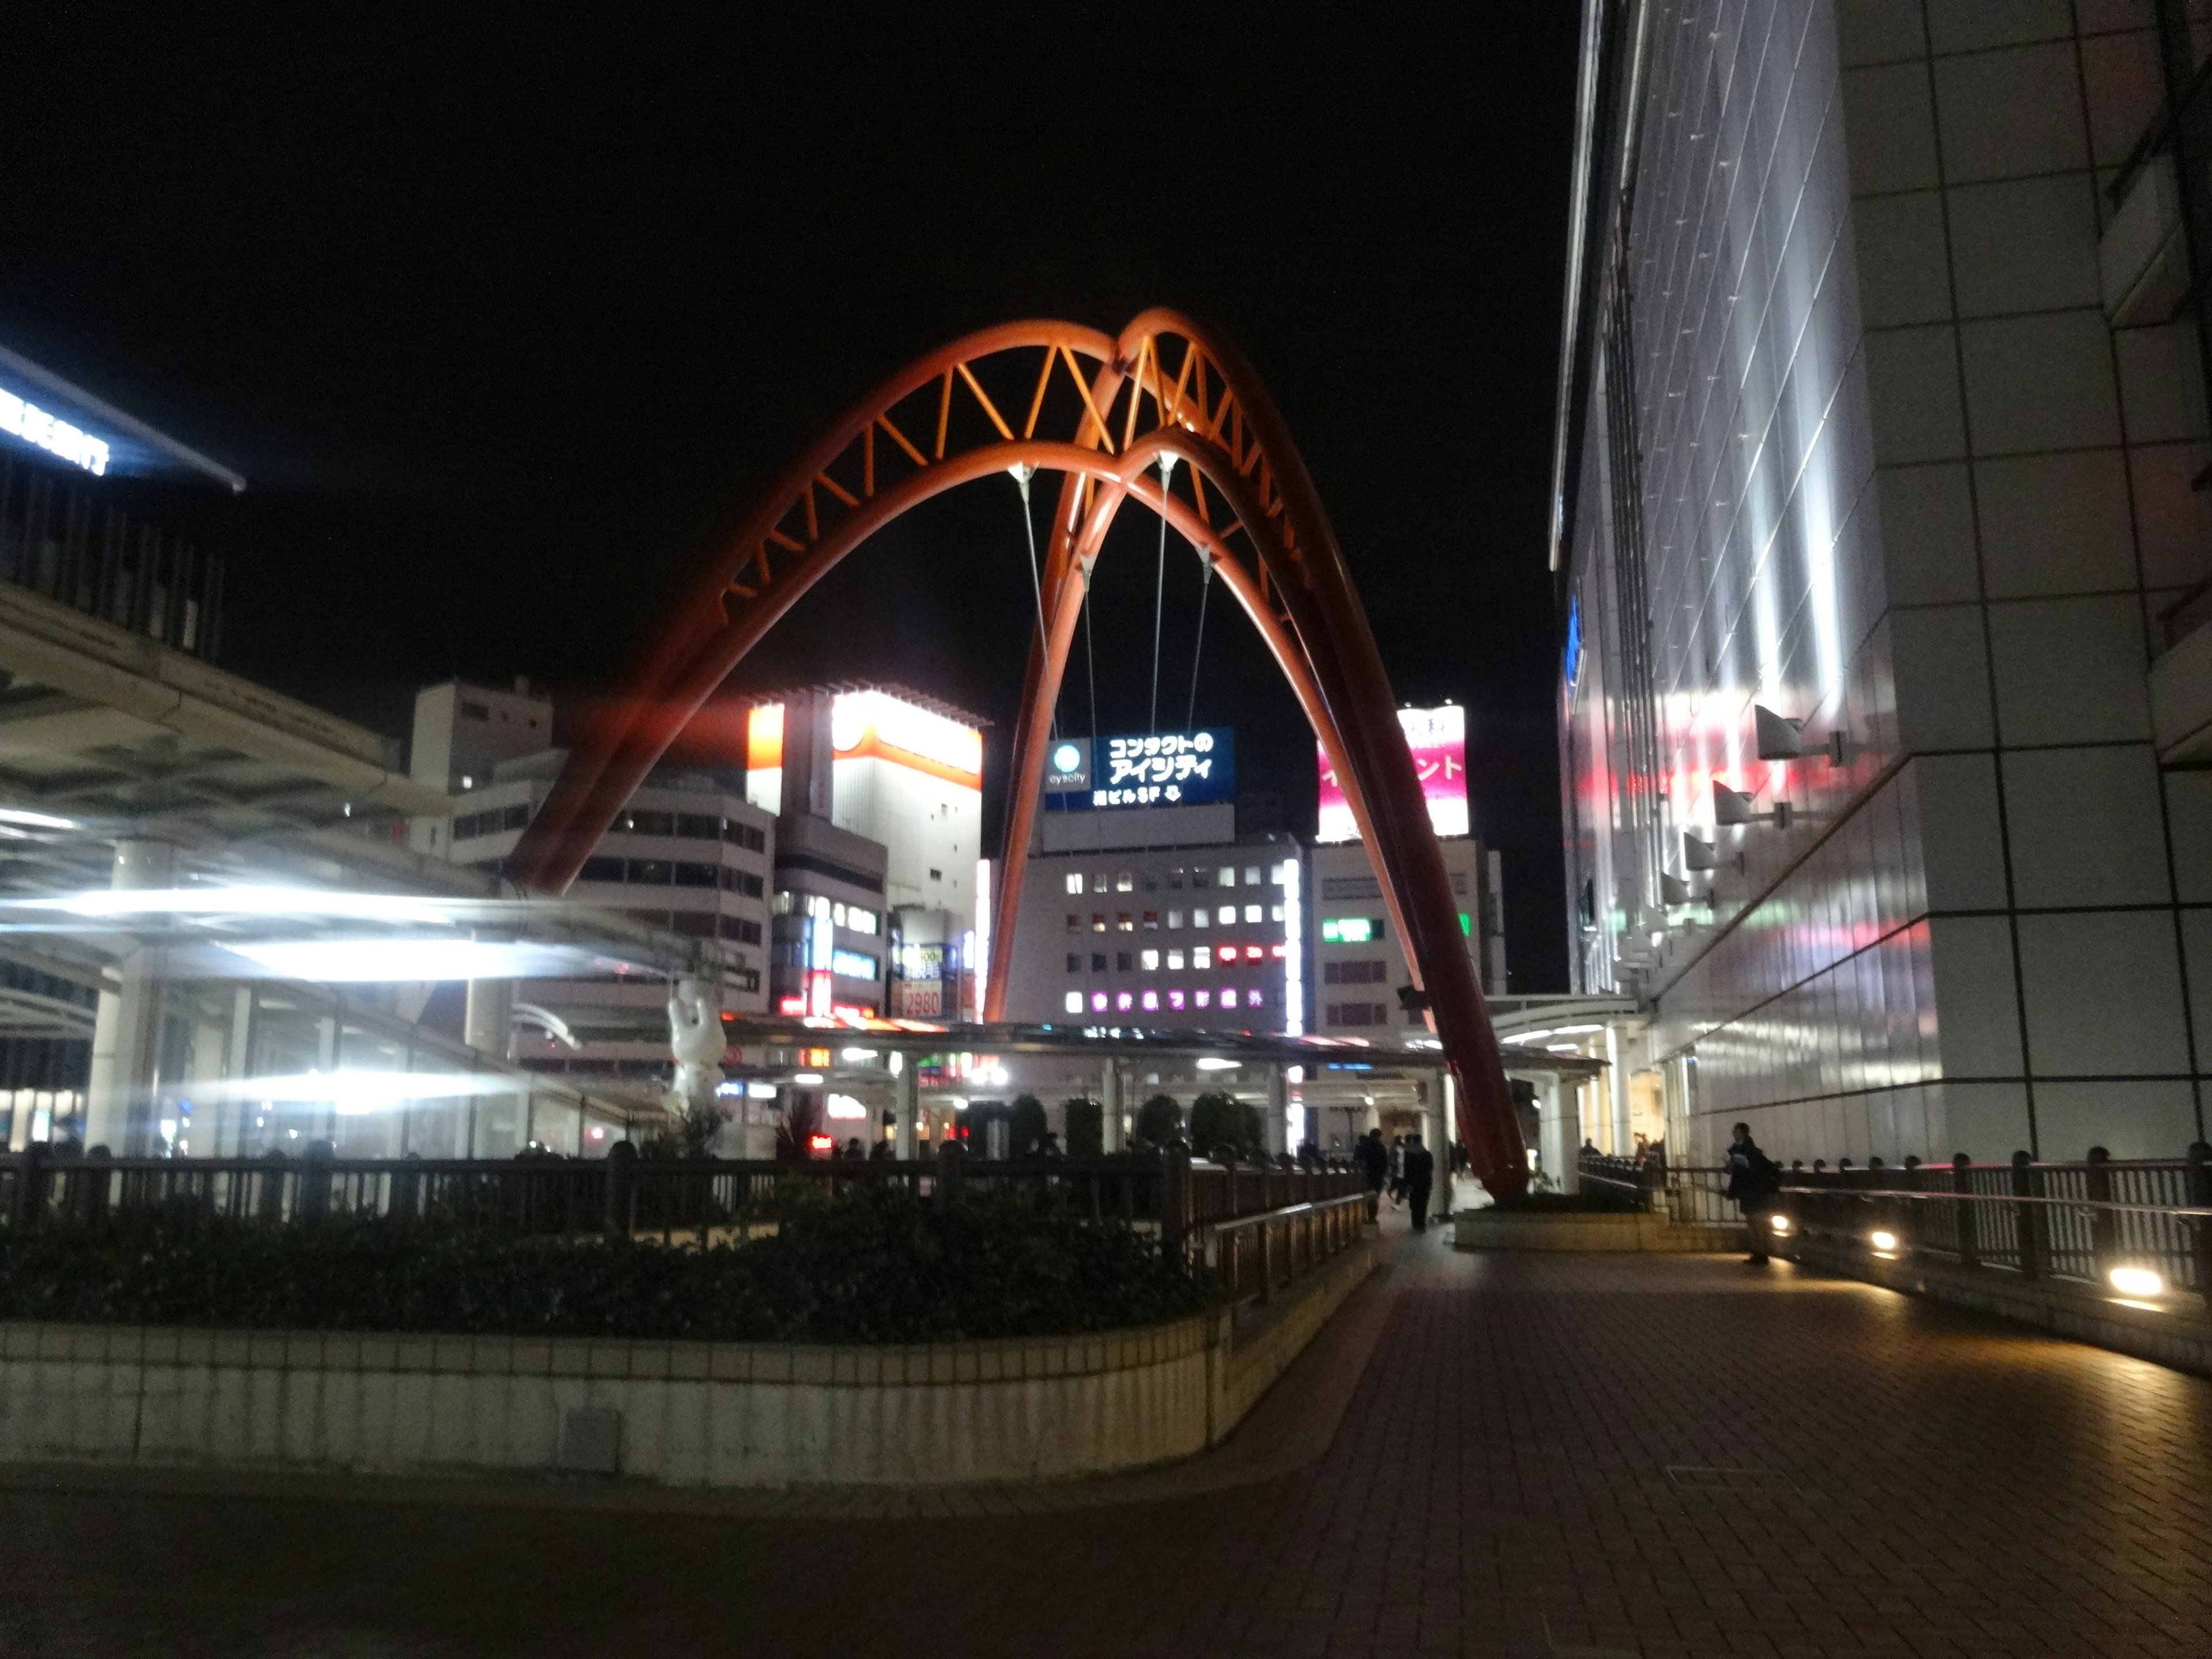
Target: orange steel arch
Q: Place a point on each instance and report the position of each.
(1239, 494)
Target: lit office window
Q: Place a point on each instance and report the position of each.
(1150, 961)
(1274, 913)
(1202, 999)
(1099, 881)
(1228, 875)
(1152, 920)
(1254, 953)
(1175, 1000)
(1202, 957)
(1074, 1002)
(1252, 912)
(1125, 883)
(1125, 921)
(1097, 921)
(1227, 914)
(1251, 875)
(1229, 996)
(1151, 1002)
(1123, 1002)
(1175, 962)
(1175, 919)
(1098, 1002)
(1075, 881)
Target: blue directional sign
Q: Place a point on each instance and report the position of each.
(1159, 769)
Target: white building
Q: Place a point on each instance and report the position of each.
(688, 853)
(1200, 937)
(1879, 529)
(1358, 961)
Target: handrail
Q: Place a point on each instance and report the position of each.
(1264, 1217)
(2003, 1197)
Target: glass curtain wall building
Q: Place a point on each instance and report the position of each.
(1880, 523)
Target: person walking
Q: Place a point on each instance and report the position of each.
(1753, 1181)
(1398, 1173)
(1420, 1179)
(1374, 1160)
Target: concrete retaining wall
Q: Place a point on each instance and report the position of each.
(1514, 1229)
(676, 1413)
(2176, 1334)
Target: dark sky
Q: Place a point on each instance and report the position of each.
(508, 313)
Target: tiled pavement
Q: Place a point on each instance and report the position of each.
(1590, 1456)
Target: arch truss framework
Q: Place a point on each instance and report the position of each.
(1239, 494)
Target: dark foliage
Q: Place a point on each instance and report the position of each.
(1159, 1121)
(875, 1266)
(1086, 1128)
(1029, 1125)
(1223, 1126)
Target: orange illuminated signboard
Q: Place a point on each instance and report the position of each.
(876, 724)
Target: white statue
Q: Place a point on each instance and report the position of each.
(695, 1034)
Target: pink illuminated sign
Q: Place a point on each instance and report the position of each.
(1437, 739)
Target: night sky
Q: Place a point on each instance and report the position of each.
(508, 313)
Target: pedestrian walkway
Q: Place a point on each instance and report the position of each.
(1489, 1454)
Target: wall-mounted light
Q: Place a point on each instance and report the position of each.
(1731, 809)
(1779, 737)
(1698, 854)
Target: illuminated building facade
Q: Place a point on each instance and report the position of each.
(880, 790)
(1357, 963)
(1879, 536)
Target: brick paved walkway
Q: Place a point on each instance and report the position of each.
(1590, 1456)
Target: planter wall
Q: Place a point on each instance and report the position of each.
(676, 1413)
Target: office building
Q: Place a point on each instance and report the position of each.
(1880, 535)
(1358, 959)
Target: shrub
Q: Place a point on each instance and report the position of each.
(1086, 1128)
(874, 1266)
(1222, 1127)
(797, 1126)
(1159, 1121)
(1027, 1125)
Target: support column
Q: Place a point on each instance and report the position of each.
(1109, 1097)
(126, 1030)
(229, 1139)
(1616, 1083)
(906, 1102)
(1277, 1127)
(487, 1026)
(1556, 1140)
(1442, 1100)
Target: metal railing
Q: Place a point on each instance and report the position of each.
(1688, 1196)
(1258, 1255)
(2068, 1221)
(623, 1194)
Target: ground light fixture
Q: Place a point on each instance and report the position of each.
(2136, 1281)
(1215, 1063)
(1884, 1241)
(1781, 1223)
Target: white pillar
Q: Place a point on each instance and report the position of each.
(1440, 1146)
(1616, 1081)
(126, 1030)
(906, 1102)
(487, 1026)
(1109, 1092)
(1556, 1140)
(1276, 1128)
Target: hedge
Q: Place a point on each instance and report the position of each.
(875, 1266)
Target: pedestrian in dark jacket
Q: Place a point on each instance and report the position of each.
(1421, 1180)
(1373, 1158)
(1753, 1181)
